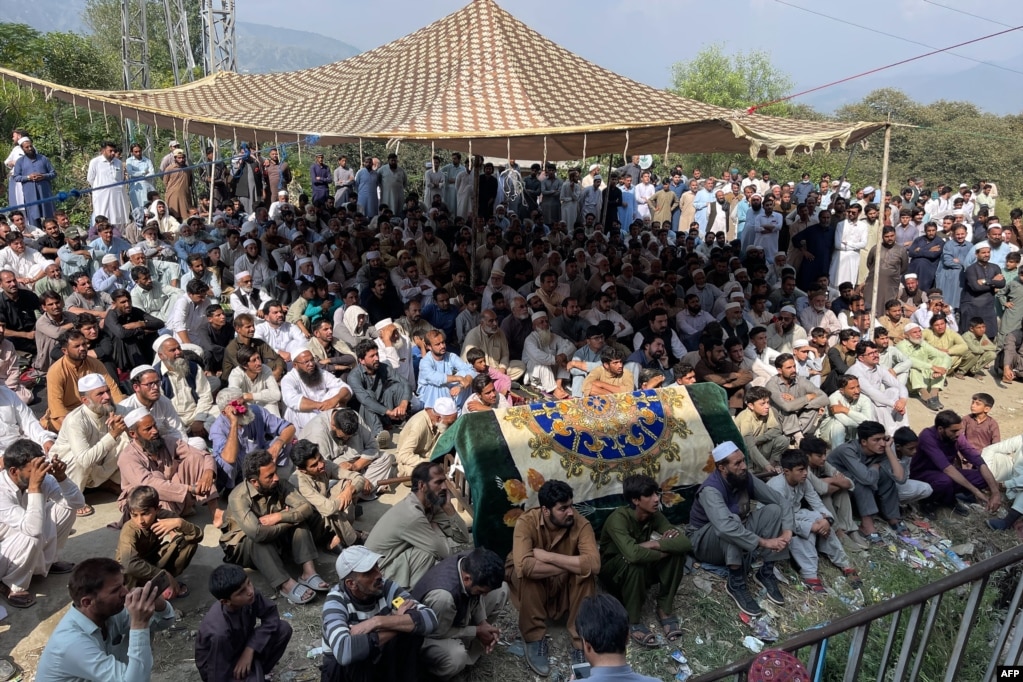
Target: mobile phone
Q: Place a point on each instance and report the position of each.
(397, 602)
(162, 581)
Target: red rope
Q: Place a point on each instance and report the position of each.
(753, 108)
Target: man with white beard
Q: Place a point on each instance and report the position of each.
(184, 382)
(489, 338)
(307, 389)
(546, 355)
(91, 435)
(421, 433)
(247, 298)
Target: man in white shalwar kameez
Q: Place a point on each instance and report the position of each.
(37, 511)
(393, 184)
(395, 349)
(452, 172)
(112, 202)
(434, 183)
(643, 191)
(15, 193)
(546, 355)
(308, 390)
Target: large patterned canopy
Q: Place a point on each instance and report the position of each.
(479, 78)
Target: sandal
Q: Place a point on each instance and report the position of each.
(814, 585)
(853, 577)
(315, 582)
(299, 594)
(874, 539)
(21, 599)
(182, 592)
(87, 510)
(642, 636)
(670, 627)
(61, 567)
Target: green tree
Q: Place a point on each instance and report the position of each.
(733, 81)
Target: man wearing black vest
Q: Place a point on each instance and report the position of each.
(184, 382)
(725, 532)
(467, 592)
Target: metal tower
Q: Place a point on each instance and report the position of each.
(135, 63)
(178, 41)
(219, 36)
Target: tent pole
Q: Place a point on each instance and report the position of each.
(607, 198)
(881, 190)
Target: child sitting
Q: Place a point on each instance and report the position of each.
(813, 531)
(230, 646)
(979, 426)
(333, 492)
(833, 488)
(155, 540)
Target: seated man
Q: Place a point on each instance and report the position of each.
(484, 396)
(266, 517)
(833, 488)
(442, 374)
(812, 531)
(906, 445)
(891, 358)
(798, 403)
(245, 329)
(546, 356)
(652, 354)
(189, 310)
(151, 295)
(937, 463)
(871, 463)
(37, 510)
(145, 383)
(333, 492)
(930, 367)
(92, 436)
(307, 389)
(182, 475)
(603, 626)
(715, 366)
(611, 376)
(62, 379)
(213, 337)
(242, 428)
(586, 359)
(980, 350)
(419, 531)
(107, 632)
(848, 409)
(136, 329)
(256, 381)
(947, 341)
(286, 339)
(552, 568)
(229, 642)
(365, 637)
(761, 431)
(467, 592)
(639, 548)
(422, 432)
(185, 384)
(878, 386)
(722, 536)
(155, 540)
(344, 439)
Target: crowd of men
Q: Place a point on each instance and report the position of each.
(282, 361)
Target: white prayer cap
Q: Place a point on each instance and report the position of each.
(445, 407)
(963, 185)
(834, 183)
(579, 250)
(135, 416)
(162, 339)
(242, 275)
(731, 286)
(192, 348)
(282, 193)
(756, 195)
(355, 559)
(173, 143)
(911, 326)
(23, 141)
(869, 189)
(606, 285)
(302, 261)
(788, 309)
(801, 343)
(734, 305)
(911, 275)
(249, 242)
(135, 250)
(981, 245)
(90, 382)
(140, 370)
(724, 451)
(372, 255)
(742, 270)
(737, 296)
(532, 296)
(109, 258)
(383, 323)
(247, 228)
(538, 314)
(497, 271)
(197, 443)
(595, 165)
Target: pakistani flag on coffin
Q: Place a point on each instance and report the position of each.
(592, 444)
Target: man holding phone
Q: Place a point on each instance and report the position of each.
(871, 463)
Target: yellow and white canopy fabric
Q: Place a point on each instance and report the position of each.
(477, 77)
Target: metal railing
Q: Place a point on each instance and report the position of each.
(918, 612)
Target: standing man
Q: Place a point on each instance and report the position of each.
(726, 532)
(366, 185)
(112, 202)
(35, 173)
(344, 178)
(320, 177)
(552, 568)
(393, 184)
(980, 282)
(451, 172)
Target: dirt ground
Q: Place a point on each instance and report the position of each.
(23, 633)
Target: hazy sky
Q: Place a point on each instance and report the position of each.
(641, 40)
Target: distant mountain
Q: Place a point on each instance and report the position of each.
(264, 49)
(46, 15)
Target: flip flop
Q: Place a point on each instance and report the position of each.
(641, 635)
(61, 567)
(315, 582)
(295, 595)
(182, 592)
(671, 629)
(20, 600)
(87, 510)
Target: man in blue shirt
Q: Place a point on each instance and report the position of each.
(603, 626)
